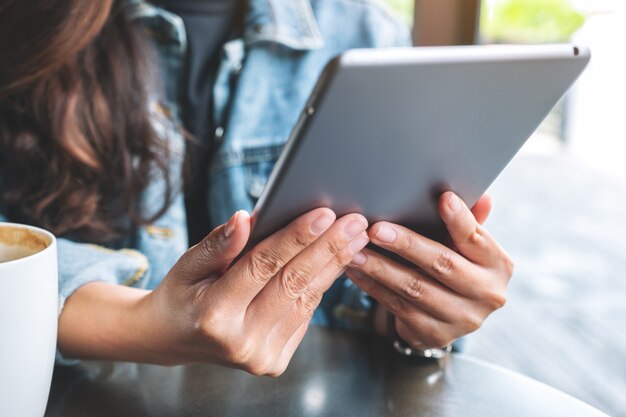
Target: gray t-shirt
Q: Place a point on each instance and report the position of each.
(209, 24)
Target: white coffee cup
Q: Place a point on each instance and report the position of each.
(28, 318)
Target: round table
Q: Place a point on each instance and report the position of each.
(332, 374)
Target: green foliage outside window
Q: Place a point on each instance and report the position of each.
(529, 21)
(404, 8)
(516, 21)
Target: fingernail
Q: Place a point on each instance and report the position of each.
(355, 228)
(322, 223)
(454, 203)
(231, 225)
(359, 243)
(359, 259)
(386, 234)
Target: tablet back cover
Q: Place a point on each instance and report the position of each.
(387, 131)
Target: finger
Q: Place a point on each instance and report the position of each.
(215, 252)
(482, 208)
(436, 260)
(335, 247)
(416, 288)
(304, 307)
(393, 302)
(418, 328)
(469, 237)
(247, 277)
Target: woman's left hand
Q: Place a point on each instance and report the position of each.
(446, 293)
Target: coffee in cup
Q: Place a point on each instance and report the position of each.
(28, 318)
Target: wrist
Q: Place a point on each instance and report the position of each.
(158, 336)
(104, 321)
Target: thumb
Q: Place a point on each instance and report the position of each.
(214, 254)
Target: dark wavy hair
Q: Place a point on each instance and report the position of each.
(77, 141)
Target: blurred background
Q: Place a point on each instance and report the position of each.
(560, 206)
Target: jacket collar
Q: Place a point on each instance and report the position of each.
(290, 23)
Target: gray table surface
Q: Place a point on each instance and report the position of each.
(332, 374)
(564, 225)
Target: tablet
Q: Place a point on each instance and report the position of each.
(385, 132)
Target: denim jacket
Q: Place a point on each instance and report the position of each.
(263, 82)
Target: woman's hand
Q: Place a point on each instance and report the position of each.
(252, 314)
(446, 293)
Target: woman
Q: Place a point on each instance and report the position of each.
(91, 95)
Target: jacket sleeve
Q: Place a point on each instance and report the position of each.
(81, 263)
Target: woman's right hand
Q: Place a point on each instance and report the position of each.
(254, 313)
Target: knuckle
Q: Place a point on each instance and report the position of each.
(278, 371)
(333, 246)
(293, 282)
(407, 243)
(376, 267)
(509, 266)
(256, 368)
(206, 330)
(472, 323)
(476, 237)
(308, 302)
(443, 264)
(211, 326)
(397, 306)
(301, 238)
(495, 300)
(414, 289)
(278, 367)
(240, 354)
(264, 264)
(208, 247)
